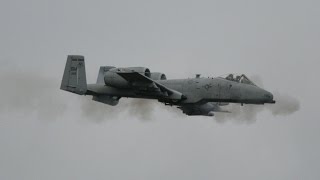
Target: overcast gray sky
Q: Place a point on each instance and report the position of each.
(46, 133)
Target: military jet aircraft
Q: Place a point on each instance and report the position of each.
(194, 96)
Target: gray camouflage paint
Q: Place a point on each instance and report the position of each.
(194, 96)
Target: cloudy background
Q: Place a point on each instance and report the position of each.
(46, 133)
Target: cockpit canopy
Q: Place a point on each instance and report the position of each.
(240, 78)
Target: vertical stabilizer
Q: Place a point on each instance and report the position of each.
(102, 73)
(74, 77)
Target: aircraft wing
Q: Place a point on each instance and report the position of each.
(142, 81)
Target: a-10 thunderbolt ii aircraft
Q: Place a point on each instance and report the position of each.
(194, 96)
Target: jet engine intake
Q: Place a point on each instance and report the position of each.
(158, 76)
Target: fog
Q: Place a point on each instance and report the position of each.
(46, 133)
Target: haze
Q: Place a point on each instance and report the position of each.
(46, 133)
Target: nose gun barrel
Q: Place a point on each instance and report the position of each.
(269, 98)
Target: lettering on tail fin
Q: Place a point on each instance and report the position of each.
(74, 77)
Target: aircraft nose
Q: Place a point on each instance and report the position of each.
(269, 97)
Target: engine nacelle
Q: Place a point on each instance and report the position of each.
(111, 77)
(158, 76)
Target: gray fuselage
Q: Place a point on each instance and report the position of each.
(194, 96)
(197, 90)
